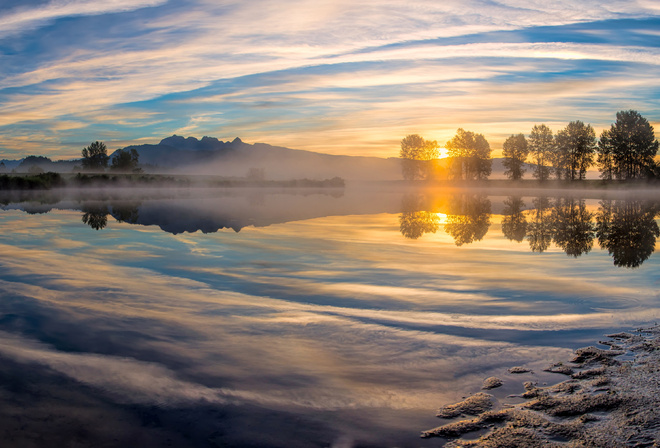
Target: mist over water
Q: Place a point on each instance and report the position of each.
(337, 317)
(618, 221)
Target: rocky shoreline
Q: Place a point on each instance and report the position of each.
(611, 398)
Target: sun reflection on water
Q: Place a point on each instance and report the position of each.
(329, 311)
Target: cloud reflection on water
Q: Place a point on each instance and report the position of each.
(334, 313)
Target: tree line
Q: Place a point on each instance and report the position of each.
(625, 151)
(95, 158)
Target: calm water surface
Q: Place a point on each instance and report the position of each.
(316, 318)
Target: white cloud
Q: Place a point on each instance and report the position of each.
(21, 19)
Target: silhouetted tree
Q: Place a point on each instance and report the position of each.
(515, 151)
(576, 145)
(469, 219)
(573, 230)
(416, 156)
(95, 157)
(414, 221)
(654, 171)
(456, 164)
(628, 148)
(95, 216)
(542, 148)
(514, 223)
(126, 160)
(540, 230)
(470, 154)
(605, 160)
(627, 229)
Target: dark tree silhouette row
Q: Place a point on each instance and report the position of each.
(625, 151)
(95, 158)
(625, 228)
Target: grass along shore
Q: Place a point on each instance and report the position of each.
(48, 181)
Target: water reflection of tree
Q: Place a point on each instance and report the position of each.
(126, 211)
(540, 230)
(414, 221)
(95, 215)
(469, 218)
(627, 229)
(514, 223)
(573, 230)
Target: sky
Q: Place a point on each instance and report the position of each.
(339, 77)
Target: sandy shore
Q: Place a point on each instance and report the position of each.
(611, 398)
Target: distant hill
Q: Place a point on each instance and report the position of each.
(10, 164)
(211, 156)
(176, 152)
(43, 163)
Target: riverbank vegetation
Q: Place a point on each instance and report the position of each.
(48, 181)
(40, 181)
(624, 152)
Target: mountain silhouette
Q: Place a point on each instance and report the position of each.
(211, 156)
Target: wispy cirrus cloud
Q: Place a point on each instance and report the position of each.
(283, 71)
(21, 19)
